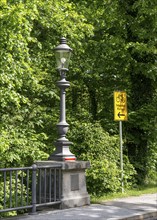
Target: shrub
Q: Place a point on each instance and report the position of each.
(92, 143)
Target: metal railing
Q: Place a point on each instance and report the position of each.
(29, 187)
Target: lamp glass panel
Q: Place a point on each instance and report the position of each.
(62, 58)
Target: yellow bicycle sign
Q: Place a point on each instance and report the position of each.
(120, 106)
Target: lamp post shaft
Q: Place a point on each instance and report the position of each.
(63, 84)
(62, 106)
(62, 144)
(62, 125)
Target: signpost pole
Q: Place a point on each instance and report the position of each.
(121, 154)
(120, 114)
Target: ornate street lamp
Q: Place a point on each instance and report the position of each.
(62, 152)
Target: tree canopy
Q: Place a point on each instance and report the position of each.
(115, 48)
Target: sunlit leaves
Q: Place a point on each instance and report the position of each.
(114, 47)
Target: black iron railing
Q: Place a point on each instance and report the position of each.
(29, 187)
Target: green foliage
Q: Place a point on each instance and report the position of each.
(122, 56)
(152, 164)
(92, 143)
(28, 97)
(14, 190)
(114, 45)
(19, 148)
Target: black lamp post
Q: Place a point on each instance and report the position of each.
(62, 152)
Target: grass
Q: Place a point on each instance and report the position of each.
(141, 190)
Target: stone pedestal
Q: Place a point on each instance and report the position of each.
(73, 191)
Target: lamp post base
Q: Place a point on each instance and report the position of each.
(62, 152)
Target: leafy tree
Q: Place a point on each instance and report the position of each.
(121, 55)
(114, 45)
(28, 96)
(141, 37)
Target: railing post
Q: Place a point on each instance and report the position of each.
(34, 172)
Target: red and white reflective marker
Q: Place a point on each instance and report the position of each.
(69, 159)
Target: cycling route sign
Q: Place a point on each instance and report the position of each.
(120, 106)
